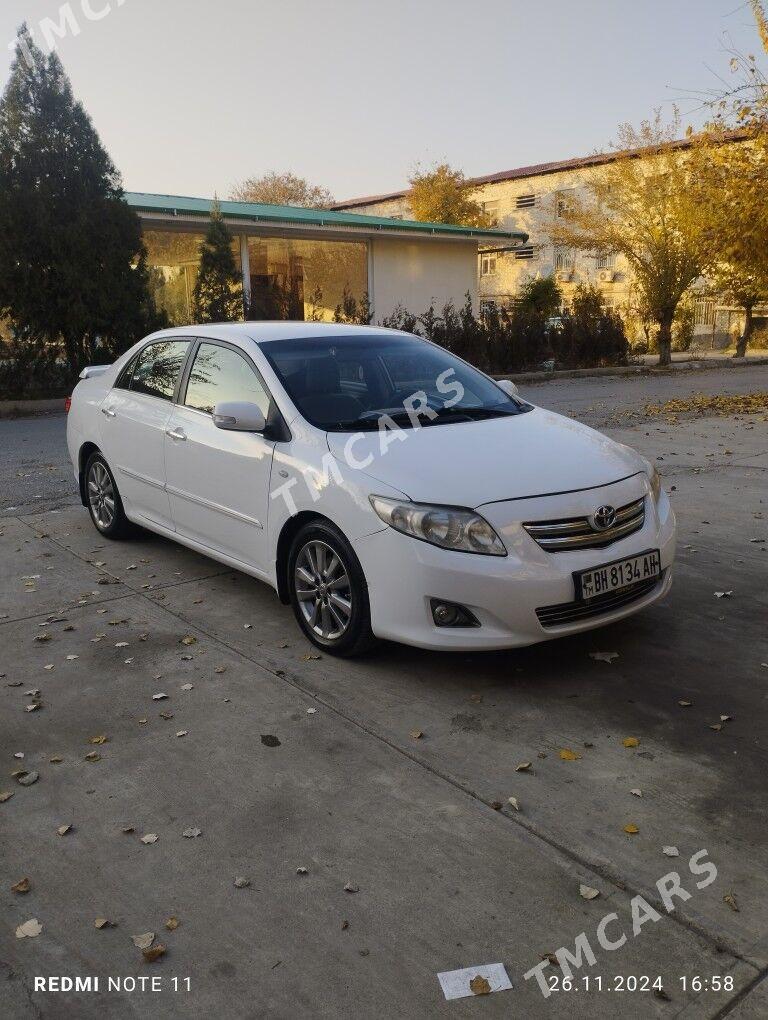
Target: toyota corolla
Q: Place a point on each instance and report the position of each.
(382, 486)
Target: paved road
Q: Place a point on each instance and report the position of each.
(448, 874)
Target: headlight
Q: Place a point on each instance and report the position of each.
(462, 530)
(655, 481)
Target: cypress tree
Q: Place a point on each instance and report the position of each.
(73, 269)
(218, 295)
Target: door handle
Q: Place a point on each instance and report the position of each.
(176, 433)
(109, 412)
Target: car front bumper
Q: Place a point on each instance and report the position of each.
(504, 592)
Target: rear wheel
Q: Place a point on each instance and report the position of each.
(328, 590)
(104, 503)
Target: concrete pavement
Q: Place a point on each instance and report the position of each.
(449, 875)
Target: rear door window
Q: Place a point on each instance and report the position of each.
(158, 368)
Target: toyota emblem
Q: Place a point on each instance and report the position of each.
(603, 518)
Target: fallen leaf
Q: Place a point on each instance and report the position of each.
(98, 740)
(172, 923)
(716, 726)
(5, 795)
(631, 829)
(684, 703)
(723, 594)
(479, 985)
(220, 669)
(566, 754)
(187, 687)
(311, 711)
(28, 779)
(730, 899)
(310, 656)
(42, 637)
(33, 707)
(191, 833)
(726, 718)
(181, 733)
(603, 656)
(160, 696)
(22, 886)
(103, 922)
(301, 871)
(670, 851)
(513, 802)
(143, 941)
(588, 893)
(150, 955)
(151, 837)
(268, 740)
(416, 734)
(64, 829)
(523, 766)
(71, 658)
(351, 887)
(636, 793)
(93, 756)
(128, 829)
(551, 959)
(631, 742)
(166, 715)
(188, 640)
(242, 883)
(29, 930)
(56, 759)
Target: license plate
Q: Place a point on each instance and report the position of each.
(617, 575)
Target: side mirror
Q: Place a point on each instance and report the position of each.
(508, 386)
(239, 416)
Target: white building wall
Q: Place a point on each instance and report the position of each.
(417, 274)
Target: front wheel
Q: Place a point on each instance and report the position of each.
(104, 503)
(328, 591)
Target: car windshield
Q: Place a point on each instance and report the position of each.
(353, 383)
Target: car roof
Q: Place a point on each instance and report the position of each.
(261, 332)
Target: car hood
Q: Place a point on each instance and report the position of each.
(532, 454)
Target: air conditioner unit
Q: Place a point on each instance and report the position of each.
(605, 276)
(564, 275)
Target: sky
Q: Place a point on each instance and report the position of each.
(190, 96)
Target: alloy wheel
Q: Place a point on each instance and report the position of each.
(323, 590)
(101, 495)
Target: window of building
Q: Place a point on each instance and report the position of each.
(605, 261)
(220, 374)
(525, 201)
(158, 367)
(563, 202)
(491, 209)
(565, 258)
(526, 252)
(173, 260)
(488, 265)
(305, 279)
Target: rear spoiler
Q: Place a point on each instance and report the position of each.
(93, 370)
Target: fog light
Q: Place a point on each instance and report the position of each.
(448, 614)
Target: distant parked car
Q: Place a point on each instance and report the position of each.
(382, 486)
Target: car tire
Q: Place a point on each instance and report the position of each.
(328, 591)
(103, 499)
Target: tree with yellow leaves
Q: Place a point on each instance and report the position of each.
(443, 195)
(640, 206)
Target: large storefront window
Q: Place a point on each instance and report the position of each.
(174, 260)
(303, 279)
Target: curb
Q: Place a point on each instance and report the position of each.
(635, 370)
(23, 408)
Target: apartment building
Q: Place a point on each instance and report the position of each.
(527, 199)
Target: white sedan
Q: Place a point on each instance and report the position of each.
(382, 486)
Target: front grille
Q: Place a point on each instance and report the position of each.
(578, 533)
(572, 612)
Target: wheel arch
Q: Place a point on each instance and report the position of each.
(85, 452)
(289, 531)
